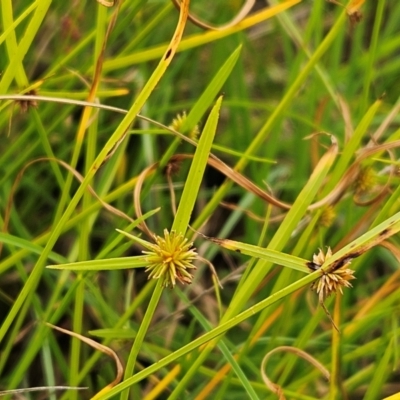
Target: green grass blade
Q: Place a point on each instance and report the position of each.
(208, 96)
(29, 246)
(273, 256)
(195, 176)
(102, 265)
(14, 68)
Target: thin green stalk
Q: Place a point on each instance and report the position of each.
(76, 344)
(137, 344)
(372, 49)
(48, 367)
(336, 354)
(47, 148)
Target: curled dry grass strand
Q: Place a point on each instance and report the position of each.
(241, 14)
(273, 387)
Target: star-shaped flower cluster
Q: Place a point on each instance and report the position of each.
(332, 281)
(170, 259)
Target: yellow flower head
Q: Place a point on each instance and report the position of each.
(171, 258)
(179, 120)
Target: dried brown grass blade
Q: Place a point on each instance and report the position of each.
(106, 3)
(248, 185)
(40, 389)
(236, 177)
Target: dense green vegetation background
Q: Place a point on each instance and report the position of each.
(284, 76)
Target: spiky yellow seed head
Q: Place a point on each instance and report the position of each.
(365, 181)
(332, 281)
(177, 123)
(170, 259)
(328, 215)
